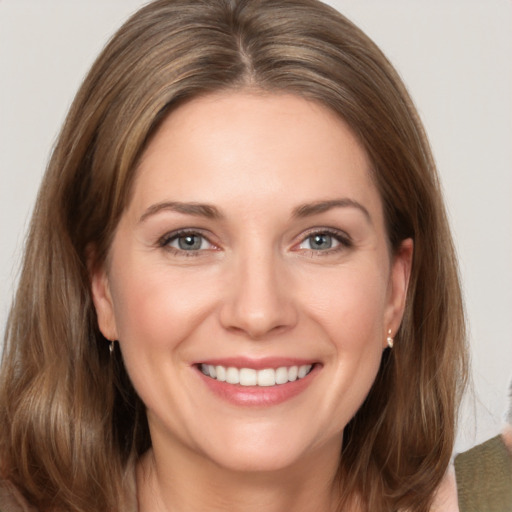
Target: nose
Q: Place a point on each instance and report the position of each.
(259, 299)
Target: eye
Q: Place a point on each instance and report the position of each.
(325, 241)
(187, 241)
(319, 242)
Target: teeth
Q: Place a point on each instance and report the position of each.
(282, 375)
(267, 377)
(232, 376)
(251, 377)
(221, 373)
(303, 371)
(248, 377)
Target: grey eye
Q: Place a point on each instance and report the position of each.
(319, 242)
(190, 242)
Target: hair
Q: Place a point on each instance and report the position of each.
(71, 424)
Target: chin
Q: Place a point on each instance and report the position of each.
(241, 460)
(270, 450)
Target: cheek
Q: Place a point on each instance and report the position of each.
(351, 306)
(351, 316)
(156, 307)
(157, 310)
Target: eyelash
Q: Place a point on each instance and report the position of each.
(340, 237)
(165, 241)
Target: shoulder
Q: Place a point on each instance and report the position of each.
(484, 477)
(445, 499)
(11, 499)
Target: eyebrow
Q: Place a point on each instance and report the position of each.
(211, 212)
(309, 209)
(196, 209)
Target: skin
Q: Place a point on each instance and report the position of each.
(257, 287)
(445, 499)
(507, 437)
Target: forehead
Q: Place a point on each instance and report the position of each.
(244, 148)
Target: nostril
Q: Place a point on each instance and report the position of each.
(260, 320)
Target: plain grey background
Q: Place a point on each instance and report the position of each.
(454, 55)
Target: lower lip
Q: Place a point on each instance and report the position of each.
(259, 396)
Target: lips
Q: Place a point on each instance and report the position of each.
(247, 382)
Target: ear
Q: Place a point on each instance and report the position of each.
(398, 283)
(103, 302)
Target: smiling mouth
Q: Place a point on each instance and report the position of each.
(265, 377)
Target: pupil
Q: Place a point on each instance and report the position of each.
(321, 241)
(189, 242)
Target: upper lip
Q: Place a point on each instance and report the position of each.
(257, 364)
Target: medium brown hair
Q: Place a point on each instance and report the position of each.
(71, 425)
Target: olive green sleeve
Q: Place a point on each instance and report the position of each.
(484, 478)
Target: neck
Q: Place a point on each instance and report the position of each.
(189, 482)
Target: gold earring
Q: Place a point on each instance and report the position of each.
(389, 339)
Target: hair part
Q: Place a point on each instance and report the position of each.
(71, 424)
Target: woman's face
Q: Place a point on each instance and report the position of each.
(250, 283)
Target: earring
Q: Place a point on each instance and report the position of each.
(389, 339)
(111, 347)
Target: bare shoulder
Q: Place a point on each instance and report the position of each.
(445, 499)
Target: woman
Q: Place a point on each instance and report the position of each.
(239, 287)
